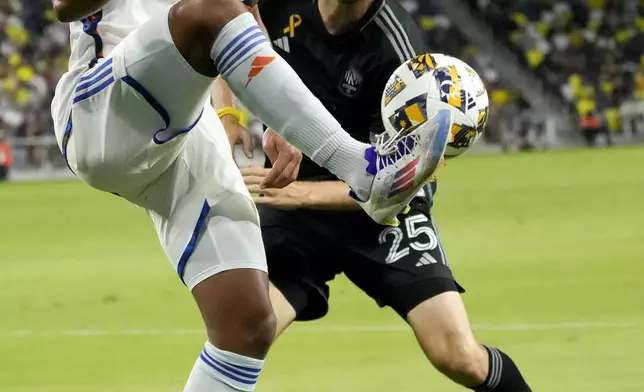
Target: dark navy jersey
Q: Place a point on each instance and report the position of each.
(347, 72)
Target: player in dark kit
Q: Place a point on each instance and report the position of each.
(345, 51)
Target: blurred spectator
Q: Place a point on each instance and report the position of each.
(33, 56)
(443, 37)
(6, 159)
(589, 51)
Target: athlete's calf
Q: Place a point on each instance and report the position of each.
(443, 331)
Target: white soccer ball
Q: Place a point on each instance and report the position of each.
(429, 78)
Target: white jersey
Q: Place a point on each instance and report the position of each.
(119, 19)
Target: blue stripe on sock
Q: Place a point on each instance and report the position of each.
(221, 56)
(97, 70)
(190, 248)
(94, 80)
(247, 372)
(246, 51)
(241, 48)
(94, 91)
(224, 373)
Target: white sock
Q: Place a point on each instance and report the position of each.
(222, 371)
(273, 92)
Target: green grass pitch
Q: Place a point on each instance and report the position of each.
(550, 247)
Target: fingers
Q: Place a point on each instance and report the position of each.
(262, 192)
(253, 175)
(247, 142)
(284, 169)
(252, 180)
(285, 158)
(270, 145)
(290, 172)
(254, 171)
(274, 173)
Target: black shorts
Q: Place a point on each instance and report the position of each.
(398, 267)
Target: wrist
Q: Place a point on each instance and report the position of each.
(227, 119)
(239, 115)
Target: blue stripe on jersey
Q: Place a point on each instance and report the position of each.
(97, 70)
(66, 136)
(225, 52)
(160, 140)
(138, 87)
(225, 373)
(98, 78)
(252, 373)
(245, 52)
(190, 248)
(94, 91)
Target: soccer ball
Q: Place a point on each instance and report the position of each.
(412, 91)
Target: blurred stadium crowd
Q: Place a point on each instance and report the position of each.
(33, 56)
(588, 52)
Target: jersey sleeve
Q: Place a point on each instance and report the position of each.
(397, 50)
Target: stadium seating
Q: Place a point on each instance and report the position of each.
(34, 53)
(586, 51)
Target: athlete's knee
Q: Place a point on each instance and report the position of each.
(443, 331)
(462, 360)
(195, 25)
(251, 334)
(259, 331)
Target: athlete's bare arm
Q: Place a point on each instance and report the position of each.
(309, 195)
(75, 10)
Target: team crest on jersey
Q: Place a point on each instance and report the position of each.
(421, 65)
(351, 83)
(394, 87)
(412, 115)
(451, 88)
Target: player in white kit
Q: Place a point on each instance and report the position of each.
(132, 118)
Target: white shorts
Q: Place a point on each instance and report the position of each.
(141, 126)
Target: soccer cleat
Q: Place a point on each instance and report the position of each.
(403, 164)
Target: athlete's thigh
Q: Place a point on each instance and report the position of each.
(205, 218)
(130, 111)
(441, 324)
(402, 266)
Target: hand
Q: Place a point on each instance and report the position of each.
(291, 197)
(285, 158)
(238, 134)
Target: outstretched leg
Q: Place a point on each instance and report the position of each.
(443, 331)
(220, 37)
